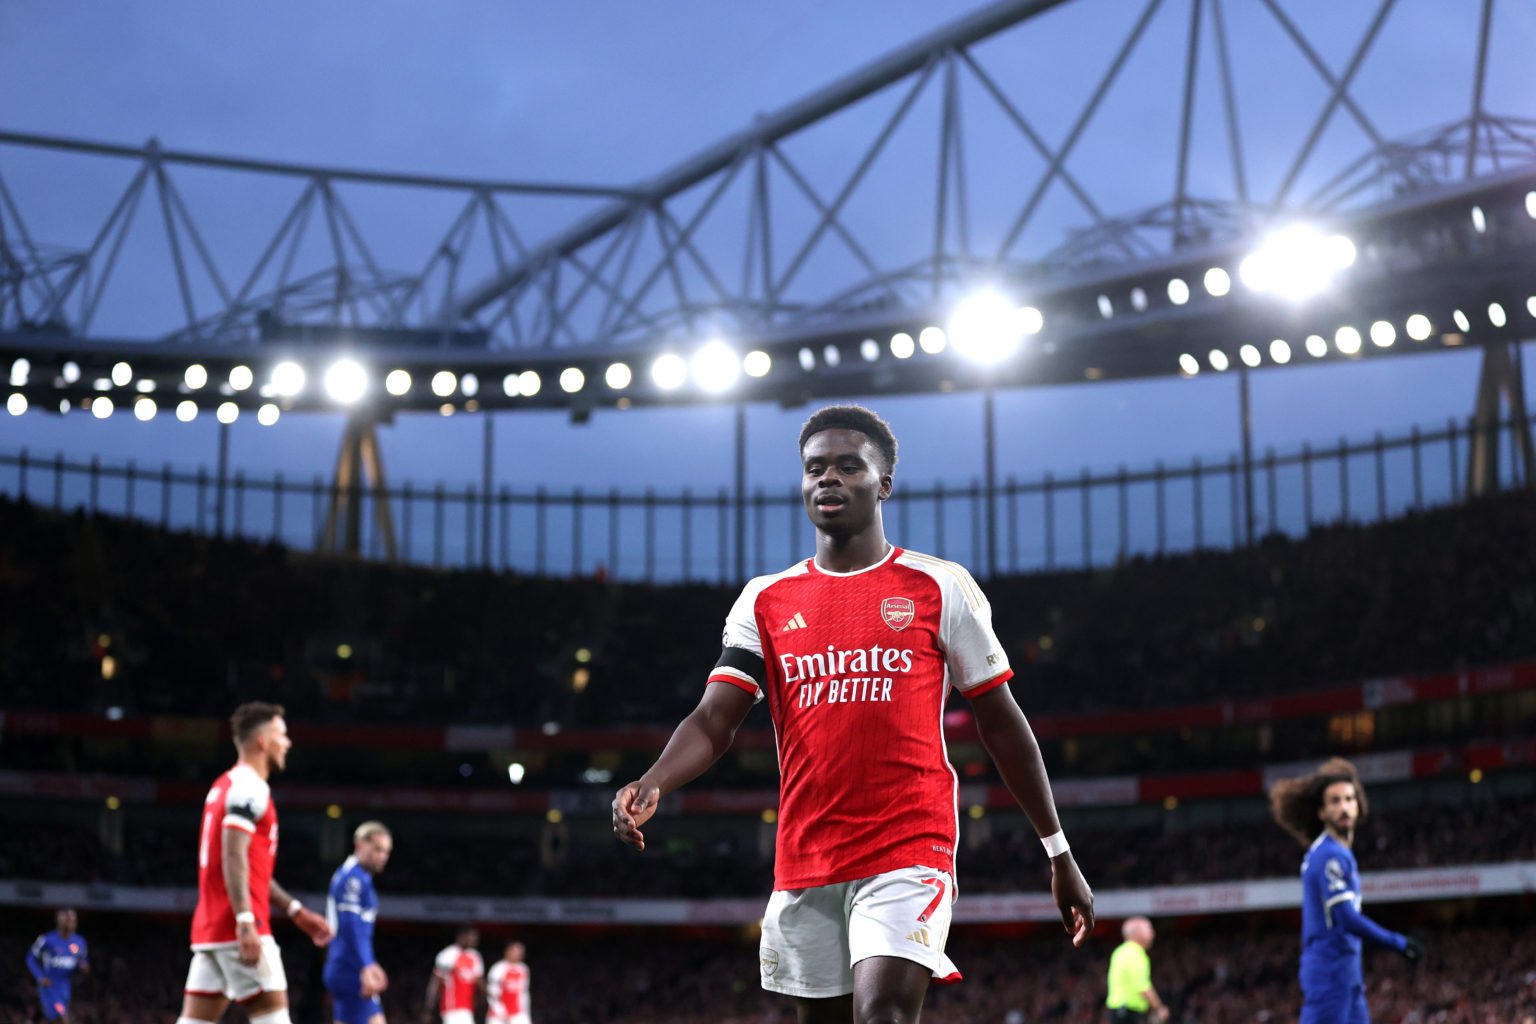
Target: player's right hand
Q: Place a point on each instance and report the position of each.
(373, 980)
(1073, 898)
(248, 946)
(1413, 950)
(633, 806)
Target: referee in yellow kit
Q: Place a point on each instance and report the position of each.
(1131, 995)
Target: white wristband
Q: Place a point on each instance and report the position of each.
(294, 908)
(1055, 845)
(245, 917)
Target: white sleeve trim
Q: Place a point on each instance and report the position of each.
(1340, 898)
(235, 821)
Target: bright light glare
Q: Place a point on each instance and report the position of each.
(757, 363)
(470, 385)
(1496, 315)
(1280, 351)
(1218, 359)
(1250, 356)
(1316, 346)
(1419, 327)
(807, 360)
(832, 354)
(529, 382)
(1218, 282)
(186, 410)
(144, 410)
(669, 371)
(241, 378)
(71, 372)
(1479, 220)
(1106, 307)
(397, 383)
(1139, 300)
(902, 345)
(144, 386)
(20, 369)
(345, 381)
(869, 350)
(101, 407)
(1530, 305)
(932, 340)
(444, 383)
(287, 378)
(16, 404)
(618, 376)
(196, 376)
(227, 413)
(1383, 334)
(1189, 364)
(267, 415)
(1462, 323)
(1347, 340)
(986, 328)
(1530, 205)
(512, 384)
(1178, 291)
(1297, 262)
(572, 380)
(516, 773)
(1031, 320)
(715, 367)
(122, 374)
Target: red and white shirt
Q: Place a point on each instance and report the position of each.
(459, 970)
(856, 668)
(240, 799)
(508, 991)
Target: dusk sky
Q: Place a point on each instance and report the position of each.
(613, 93)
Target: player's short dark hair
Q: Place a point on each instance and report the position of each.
(1295, 802)
(251, 716)
(854, 417)
(465, 929)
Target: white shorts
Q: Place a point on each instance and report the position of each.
(813, 937)
(459, 1017)
(219, 972)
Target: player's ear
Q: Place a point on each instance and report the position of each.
(885, 486)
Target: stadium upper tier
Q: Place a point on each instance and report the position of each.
(115, 617)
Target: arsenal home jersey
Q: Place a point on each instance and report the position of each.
(459, 969)
(856, 668)
(240, 799)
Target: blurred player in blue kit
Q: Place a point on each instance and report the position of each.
(353, 976)
(53, 960)
(1321, 811)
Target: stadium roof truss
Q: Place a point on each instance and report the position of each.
(809, 236)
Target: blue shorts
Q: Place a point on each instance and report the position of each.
(1336, 1006)
(55, 1000)
(348, 1004)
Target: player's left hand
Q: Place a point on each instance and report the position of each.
(313, 925)
(1413, 950)
(1073, 898)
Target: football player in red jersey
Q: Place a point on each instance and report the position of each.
(855, 651)
(234, 957)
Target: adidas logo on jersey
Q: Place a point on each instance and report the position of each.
(798, 622)
(920, 937)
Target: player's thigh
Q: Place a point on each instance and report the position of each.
(804, 948)
(904, 914)
(1335, 1007)
(889, 990)
(836, 1010)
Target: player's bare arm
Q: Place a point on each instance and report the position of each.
(1006, 734)
(309, 922)
(698, 742)
(237, 882)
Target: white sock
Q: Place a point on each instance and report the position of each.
(275, 1017)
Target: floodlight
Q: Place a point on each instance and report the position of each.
(1218, 359)
(267, 414)
(1250, 356)
(1347, 340)
(144, 410)
(529, 382)
(101, 384)
(469, 384)
(618, 376)
(902, 345)
(1479, 220)
(345, 381)
(869, 350)
(1530, 305)
(20, 369)
(1462, 322)
(512, 384)
(227, 413)
(1383, 334)
(1189, 364)
(715, 367)
(1280, 351)
(516, 773)
(832, 355)
(1418, 327)
(1218, 282)
(186, 410)
(572, 380)
(101, 407)
(1139, 300)
(1178, 291)
(1530, 205)
(1297, 262)
(16, 404)
(287, 378)
(1496, 315)
(669, 372)
(71, 372)
(932, 340)
(122, 374)
(443, 383)
(1316, 346)
(807, 360)
(757, 363)
(196, 376)
(397, 382)
(1031, 320)
(241, 378)
(144, 386)
(1106, 307)
(986, 328)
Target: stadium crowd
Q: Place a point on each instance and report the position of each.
(193, 624)
(1474, 974)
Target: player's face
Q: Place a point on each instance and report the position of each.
(65, 921)
(515, 953)
(843, 482)
(275, 743)
(1341, 807)
(469, 939)
(374, 853)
